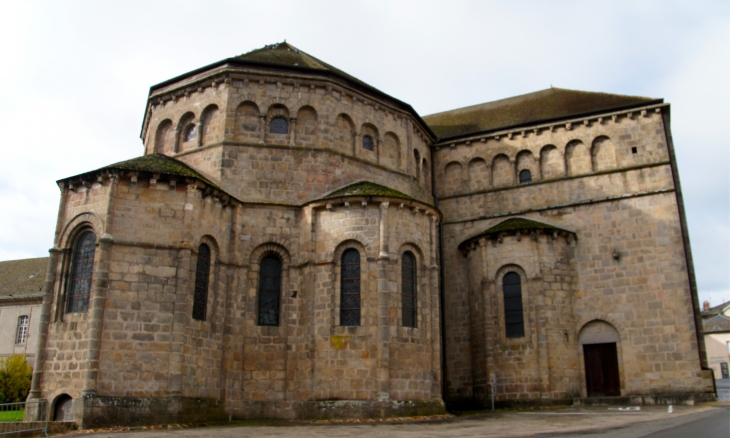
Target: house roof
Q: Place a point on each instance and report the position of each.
(512, 225)
(22, 277)
(549, 104)
(717, 323)
(714, 311)
(366, 188)
(154, 164)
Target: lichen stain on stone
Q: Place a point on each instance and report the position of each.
(339, 341)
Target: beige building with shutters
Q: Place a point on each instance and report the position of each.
(295, 243)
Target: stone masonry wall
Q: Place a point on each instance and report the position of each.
(615, 198)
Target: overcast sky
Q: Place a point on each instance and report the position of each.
(75, 77)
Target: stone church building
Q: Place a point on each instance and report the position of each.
(295, 243)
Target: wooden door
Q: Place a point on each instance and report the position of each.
(601, 363)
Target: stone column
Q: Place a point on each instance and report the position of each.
(176, 141)
(383, 333)
(489, 315)
(384, 230)
(435, 311)
(98, 298)
(292, 130)
(262, 137)
(182, 309)
(199, 133)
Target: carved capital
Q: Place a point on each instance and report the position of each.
(384, 205)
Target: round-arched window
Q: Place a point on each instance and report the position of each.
(525, 176)
(367, 142)
(190, 132)
(279, 125)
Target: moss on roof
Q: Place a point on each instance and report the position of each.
(286, 54)
(22, 277)
(541, 105)
(515, 224)
(366, 188)
(157, 163)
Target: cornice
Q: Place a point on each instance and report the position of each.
(21, 299)
(228, 74)
(567, 123)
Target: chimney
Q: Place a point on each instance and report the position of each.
(705, 306)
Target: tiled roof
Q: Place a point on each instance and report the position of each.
(533, 107)
(719, 323)
(22, 277)
(714, 311)
(366, 188)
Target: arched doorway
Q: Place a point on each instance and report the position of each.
(62, 410)
(599, 341)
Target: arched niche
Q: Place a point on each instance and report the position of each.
(247, 122)
(503, 173)
(478, 175)
(306, 126)
(452, 178)
(603, 153)
(390, 150)
(343, 134)
(551, 163)
(210, 125)
(164, 137)
(577, 158)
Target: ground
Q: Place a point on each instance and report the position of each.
(604, 422)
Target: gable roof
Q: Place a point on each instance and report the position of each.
(549, 104)
(23, 277)
(154, 164)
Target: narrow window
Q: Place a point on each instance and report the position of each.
(82, 270)
(269, 291)
(279, 125)
(190, 133)
(202, 274)
(367, 142)
(22, 333)
(350, 288)
(408, 285)
(525, 176)
(514, 323)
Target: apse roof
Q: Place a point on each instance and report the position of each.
(515, 224)
(552, 103)
(366, 188)
(22, 277)
(286, 54)
(156, 163)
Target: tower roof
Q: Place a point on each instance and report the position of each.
(286, 54)
(552, 103)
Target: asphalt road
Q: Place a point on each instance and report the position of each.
(594, 422)
(709, 424)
